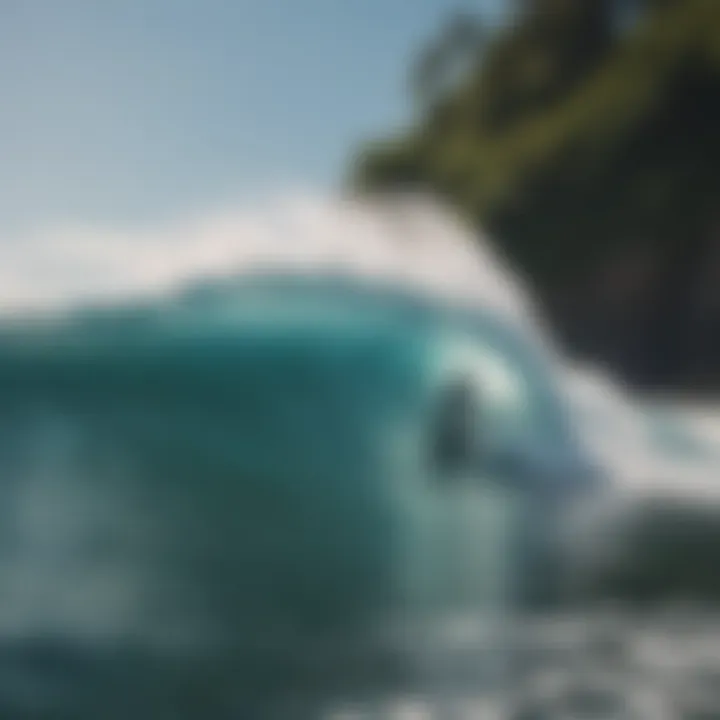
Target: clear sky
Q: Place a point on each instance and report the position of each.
(134, 111)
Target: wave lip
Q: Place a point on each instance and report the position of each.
(410, 241)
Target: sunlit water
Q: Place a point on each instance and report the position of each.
(210, 503)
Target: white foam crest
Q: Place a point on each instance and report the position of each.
(405, 241)
(616, 427)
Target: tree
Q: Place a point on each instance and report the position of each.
(589, 148)
(446, 58)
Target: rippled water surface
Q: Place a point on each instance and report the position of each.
(202, 522)
(654, 665)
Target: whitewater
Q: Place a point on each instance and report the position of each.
(74, 491)
(407, 242)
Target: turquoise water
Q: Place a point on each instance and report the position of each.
(218, 499)
(198, 489)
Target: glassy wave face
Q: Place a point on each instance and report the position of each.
(221, 504)
(218, 500)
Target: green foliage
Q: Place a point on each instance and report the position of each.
(576, 142)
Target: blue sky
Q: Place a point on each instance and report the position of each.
(135, 111)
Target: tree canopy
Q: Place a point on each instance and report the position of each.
(585, 136)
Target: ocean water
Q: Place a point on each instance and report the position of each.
(216, 502)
